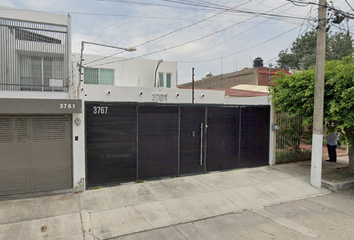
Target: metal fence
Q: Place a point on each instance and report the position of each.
(34, 56)
(288, 138)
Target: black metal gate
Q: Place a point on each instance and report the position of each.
(126, 142)
(111, 143)
(223, 138)
(192, 139)
(254, 147)
(158, 141)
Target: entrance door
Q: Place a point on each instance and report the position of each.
(192, 139)
(254, 146)
(157, 141)
(223, 138)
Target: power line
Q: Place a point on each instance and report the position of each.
(177, 30)
(246, 48)
(248, 29)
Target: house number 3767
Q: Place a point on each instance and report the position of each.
(99, 110)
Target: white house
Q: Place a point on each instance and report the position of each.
(139, 125)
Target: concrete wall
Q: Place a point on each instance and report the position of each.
(130, 72)
(34, 16)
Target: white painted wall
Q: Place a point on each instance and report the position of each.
(130, 72)
(144, 94)
(33, 16)
(79, 161)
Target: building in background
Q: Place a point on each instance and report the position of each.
(258, 75)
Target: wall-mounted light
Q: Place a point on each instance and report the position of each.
(141, 93)
(202, 95)
(77, 121)
(108, 92)
(82, 89)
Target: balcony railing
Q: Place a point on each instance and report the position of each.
(33, 56)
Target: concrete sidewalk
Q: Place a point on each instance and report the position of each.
(111, 212)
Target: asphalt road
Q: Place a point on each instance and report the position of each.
(329, 216)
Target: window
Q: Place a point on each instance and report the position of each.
(161, 81)
(168, 80)
(99, 76)
(39, 73)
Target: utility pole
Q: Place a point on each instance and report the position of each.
(192, 85)
(317, 134)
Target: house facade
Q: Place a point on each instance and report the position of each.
(37, 102)
(118, 120)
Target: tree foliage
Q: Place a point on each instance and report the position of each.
(294, 94)
(302, 53)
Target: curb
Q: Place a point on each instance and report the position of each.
(337, 186)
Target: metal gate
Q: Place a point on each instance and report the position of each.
(35, 154)
(192, 139)
(254, 146)
(223, 138)
(158, 141)
(111, 143)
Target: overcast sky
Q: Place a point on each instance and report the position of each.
(212, 36)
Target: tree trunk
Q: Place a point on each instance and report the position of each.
(351, 158)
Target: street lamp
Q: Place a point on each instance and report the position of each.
(158, 64)
(129, 49)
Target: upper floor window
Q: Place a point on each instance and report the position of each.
(98, 76)
(168, 80)
(42, 73)
(161, 80)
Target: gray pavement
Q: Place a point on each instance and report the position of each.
(257, 203)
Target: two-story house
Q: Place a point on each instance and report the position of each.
(37, 102)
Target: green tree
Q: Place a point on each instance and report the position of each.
(302, 53)
(294, 94)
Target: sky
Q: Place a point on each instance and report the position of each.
(214, 37)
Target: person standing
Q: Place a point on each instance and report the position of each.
(332, 142)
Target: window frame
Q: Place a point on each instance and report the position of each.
(99, 76)
(161, 80)
(170, 80)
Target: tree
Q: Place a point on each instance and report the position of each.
(302, 53)
(294, 94)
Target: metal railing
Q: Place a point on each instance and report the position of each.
(34, 56)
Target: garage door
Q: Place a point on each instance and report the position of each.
(111, 143)
(35, 154)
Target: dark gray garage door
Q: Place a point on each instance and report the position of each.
(35, 154)
(111, 143)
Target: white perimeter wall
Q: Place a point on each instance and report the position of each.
(96, 93)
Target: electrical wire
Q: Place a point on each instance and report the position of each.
(248, 29)
(174, 31)
(228, 55)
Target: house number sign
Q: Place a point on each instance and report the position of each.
(159, 97)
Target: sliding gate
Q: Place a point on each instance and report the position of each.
(126, 142)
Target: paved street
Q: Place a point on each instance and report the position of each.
(259, 203)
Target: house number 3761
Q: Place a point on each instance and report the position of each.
(66, 105)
